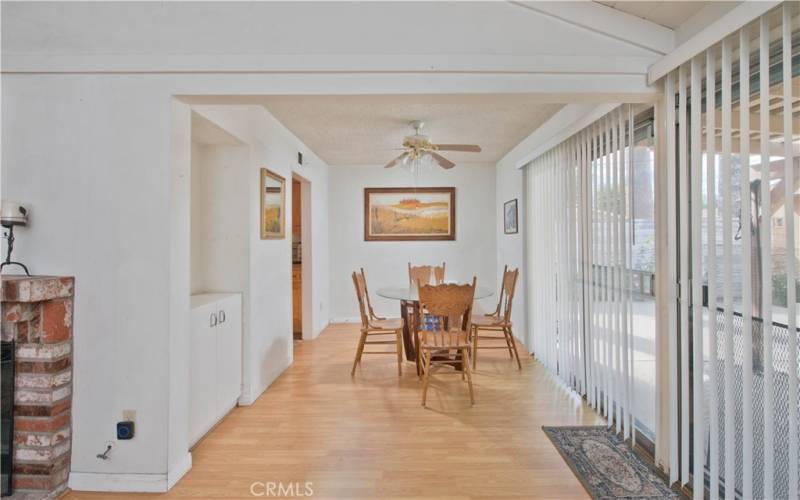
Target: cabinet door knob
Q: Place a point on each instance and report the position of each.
(212, 320)
(221, 316)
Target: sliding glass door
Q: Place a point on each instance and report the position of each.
(591, 247)
(643, 275)
(735, 170)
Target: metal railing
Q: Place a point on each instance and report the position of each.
(642, 283)
(780, 391)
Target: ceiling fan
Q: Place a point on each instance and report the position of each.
(418, 147)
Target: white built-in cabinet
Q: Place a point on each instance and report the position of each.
(215, 360)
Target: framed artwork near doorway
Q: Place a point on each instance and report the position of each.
(510, 217)
(273, 205)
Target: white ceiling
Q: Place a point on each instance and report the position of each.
(207, 132)
(666, 13)
(366, 130)
(293, 28)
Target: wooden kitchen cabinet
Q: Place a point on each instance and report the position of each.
(297, 212)
(297, 298)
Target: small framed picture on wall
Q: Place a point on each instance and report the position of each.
(510, 219)
(273, 205)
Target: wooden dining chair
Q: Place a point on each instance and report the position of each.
(421, 275)
(370, 311)
(449, 343)
(374, 326)
(438, 273)
(498, 321)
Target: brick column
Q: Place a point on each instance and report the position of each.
(37, 314)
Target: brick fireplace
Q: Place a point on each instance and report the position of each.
(37, 315)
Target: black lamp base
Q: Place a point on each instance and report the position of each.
(8, 262)
(12, 263)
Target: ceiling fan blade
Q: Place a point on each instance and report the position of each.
(442, 161)
(467, 148)
(395, 161)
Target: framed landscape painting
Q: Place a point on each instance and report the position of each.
(409, 214)
(273, 205)
(510, 222)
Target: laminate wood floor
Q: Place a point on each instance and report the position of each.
(368, 437)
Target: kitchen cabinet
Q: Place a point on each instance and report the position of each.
(215, 362)
(297, 211)
(297, 298)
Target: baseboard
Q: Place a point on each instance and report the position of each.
(316, 332)
(130, 483)
(345, 320)
(179, 470)
(246, 399)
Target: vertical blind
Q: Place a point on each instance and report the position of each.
(731, 117)
(732, 142)
(579, 250)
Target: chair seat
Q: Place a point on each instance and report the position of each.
(440, 339)
(487, 320)
(386, 324)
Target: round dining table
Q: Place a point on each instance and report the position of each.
(409, 310)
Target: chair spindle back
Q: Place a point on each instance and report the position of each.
(450, 304)
(422, 275)
(499, 309)
(507, 292)
(370, 311)
(361, 293)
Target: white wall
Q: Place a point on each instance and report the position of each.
(267, 344)
(104, 165)
(98, 188)
(385, 262)
(510, 184)
(220, 213)
(178, 458)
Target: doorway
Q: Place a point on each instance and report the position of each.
(301, 258)
(297, 259)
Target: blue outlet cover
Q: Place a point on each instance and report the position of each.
(125, 430)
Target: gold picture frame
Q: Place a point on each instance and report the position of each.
(410, 214)
(272, 192)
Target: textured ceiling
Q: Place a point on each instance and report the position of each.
(668, 14)
(366, 130)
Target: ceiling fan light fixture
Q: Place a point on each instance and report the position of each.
(424, 163)
(420, 153)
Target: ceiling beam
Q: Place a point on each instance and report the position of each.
(561, 126)
(608, 22)
(542, 64)
(713, 33)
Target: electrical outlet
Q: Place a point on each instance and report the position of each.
(129, 415)
(125, 430)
